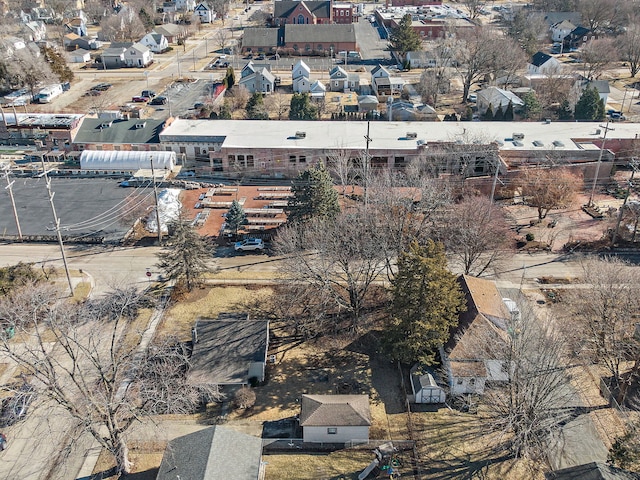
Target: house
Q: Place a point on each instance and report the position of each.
(344, 13)
(76, 25)
(171, 32)
(554, 18)
(602, 86)
(560, 30)
(466, 360)
(367, 103)
(261, 40)
(204, 12)
(341, 81)
(138, 55)
(543, 64)
(317, 90)
(335, 418)
(34, 31)
(113, 57)
(303, 12)
(301, 85)
(577, 38)
(80, 56)
(257, 79)
(155, 42)
(300, 69)
(383, 83)
(404, 111)
(421, 59)
(319, 39)
(185, 5)
(230, 350)
(592, 471)
(213, 453)
(425, 388)
(497, 98)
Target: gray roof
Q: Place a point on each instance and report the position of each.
(321, 9)
(214, 453)
(556, 17)
(226, 347)
(335, 33)
(169, 30)
(114, 51)
(368, 100)
(335, 410)
(592, 471)
(119, 131)
(260, 37)
(602, 86)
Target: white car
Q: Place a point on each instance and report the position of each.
(249, 245)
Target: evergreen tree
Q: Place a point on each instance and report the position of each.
(426, 301)
(225, 111)
(468, 114)
(236, 217)
(185, 258)
(590, 106)
(532, 107)
(255, 108)
(57, 63)
(404, 38)
(508, 113)
(313, 196)
(499, 115)
(488, 115)
(565, 112)
(146, 19)
(301, 108)
(229, 78)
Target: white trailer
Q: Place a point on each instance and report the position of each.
(49, 93)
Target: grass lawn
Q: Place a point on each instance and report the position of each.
(145, 456)
(345, 464)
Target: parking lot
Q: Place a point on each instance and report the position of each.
(182, 96)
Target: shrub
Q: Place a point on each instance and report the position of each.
(245, 398)
(530, 237)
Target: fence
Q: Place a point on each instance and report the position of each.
(605, 391)
(280, 445)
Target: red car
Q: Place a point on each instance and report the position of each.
(139, 99)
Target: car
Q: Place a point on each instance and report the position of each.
(275, 57)
(138, 99)
(223, 65)
(15, 408)
(198, 105)
(188, 173)
(472, 97)
(102, 87)
(92, 93)
(159, 100)
(249, 245)
(260, 57)
(148, 93)
(222, 57)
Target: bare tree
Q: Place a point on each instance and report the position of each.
(341, 166)
(476, 235)
(629, 48)
(474, 7)
(125, 26)
(434, 82)
(238, 97)
(338, 258)
(278, 104)
(547, 188)
(29, 70)
(529, 407)
(604, 313)
(84, 358)
(597, 55)
(599, 14)
(222, 38)
(222, 7)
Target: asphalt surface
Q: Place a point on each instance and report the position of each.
(93, 207)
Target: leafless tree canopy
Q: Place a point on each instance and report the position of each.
(547, 188)
(629, 48)
(84, 358)
(597, 55)
(123, 27)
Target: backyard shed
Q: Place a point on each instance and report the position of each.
(335, 418)
(425, 388)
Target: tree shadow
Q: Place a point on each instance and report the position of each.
(150, 474)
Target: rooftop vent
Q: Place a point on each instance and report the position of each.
(518, 143)
(301, 134)
(140, 125)
(105, 125)
(518, 136)
(538, 143)
(412, 135)
(558, 143)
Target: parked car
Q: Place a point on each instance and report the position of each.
(159, 100)
(139, 99)
(15, 408)
(472, 97)
(102, 87)
(260, 57)
(249, 245)
(148, 93)
(92, 93)
(223, 65)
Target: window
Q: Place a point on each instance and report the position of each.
(301, 18)
(217, 164)
(196, 150)
(249, 160)
(307, 47)
(302, 159)
(183, 149)
(292, 159)
(240, 161)
(332, 430)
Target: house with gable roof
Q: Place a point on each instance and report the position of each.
(341, 81)
(543, 64)
(138, 55)
(155, 42)
(561, 29)
(465, 358)
(300, 77)
(257, 78)
(497, 98)
(204, 12)
(335, 418)
(302, 12)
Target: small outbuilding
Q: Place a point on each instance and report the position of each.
(80, 56)
(425, 388)
(335, 418)
(126, 161)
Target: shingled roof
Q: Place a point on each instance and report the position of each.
(335, 410)
(283, 8)
(336, 33)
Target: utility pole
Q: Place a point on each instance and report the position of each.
(366, 166)
(595, 178)
(13, 202)
(634, 165)
(155, 195)
(56, 223)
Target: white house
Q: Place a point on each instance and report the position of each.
(301, 85)
(383, 83)
(300, 69)
(335, 418)
(317, 90)
(185, 5)
(421, 59)
(561, 30)
(34, 31)
(466, 360)
(155, 42)
(497, 98)
(205, 12)
(138, 55)
(80, 56)
(543, 64)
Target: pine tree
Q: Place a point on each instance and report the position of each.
(229, 78)
(255, 108)
(426, 301)
(313, 196)
(499, 115)
(404, 38)
(590, 106)
(301, 108)
(565, 112)
(488, 115)
(532, 107)
(184, 260)
(236, 217)
(508, 114)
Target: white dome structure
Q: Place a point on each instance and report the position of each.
(126, 160)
